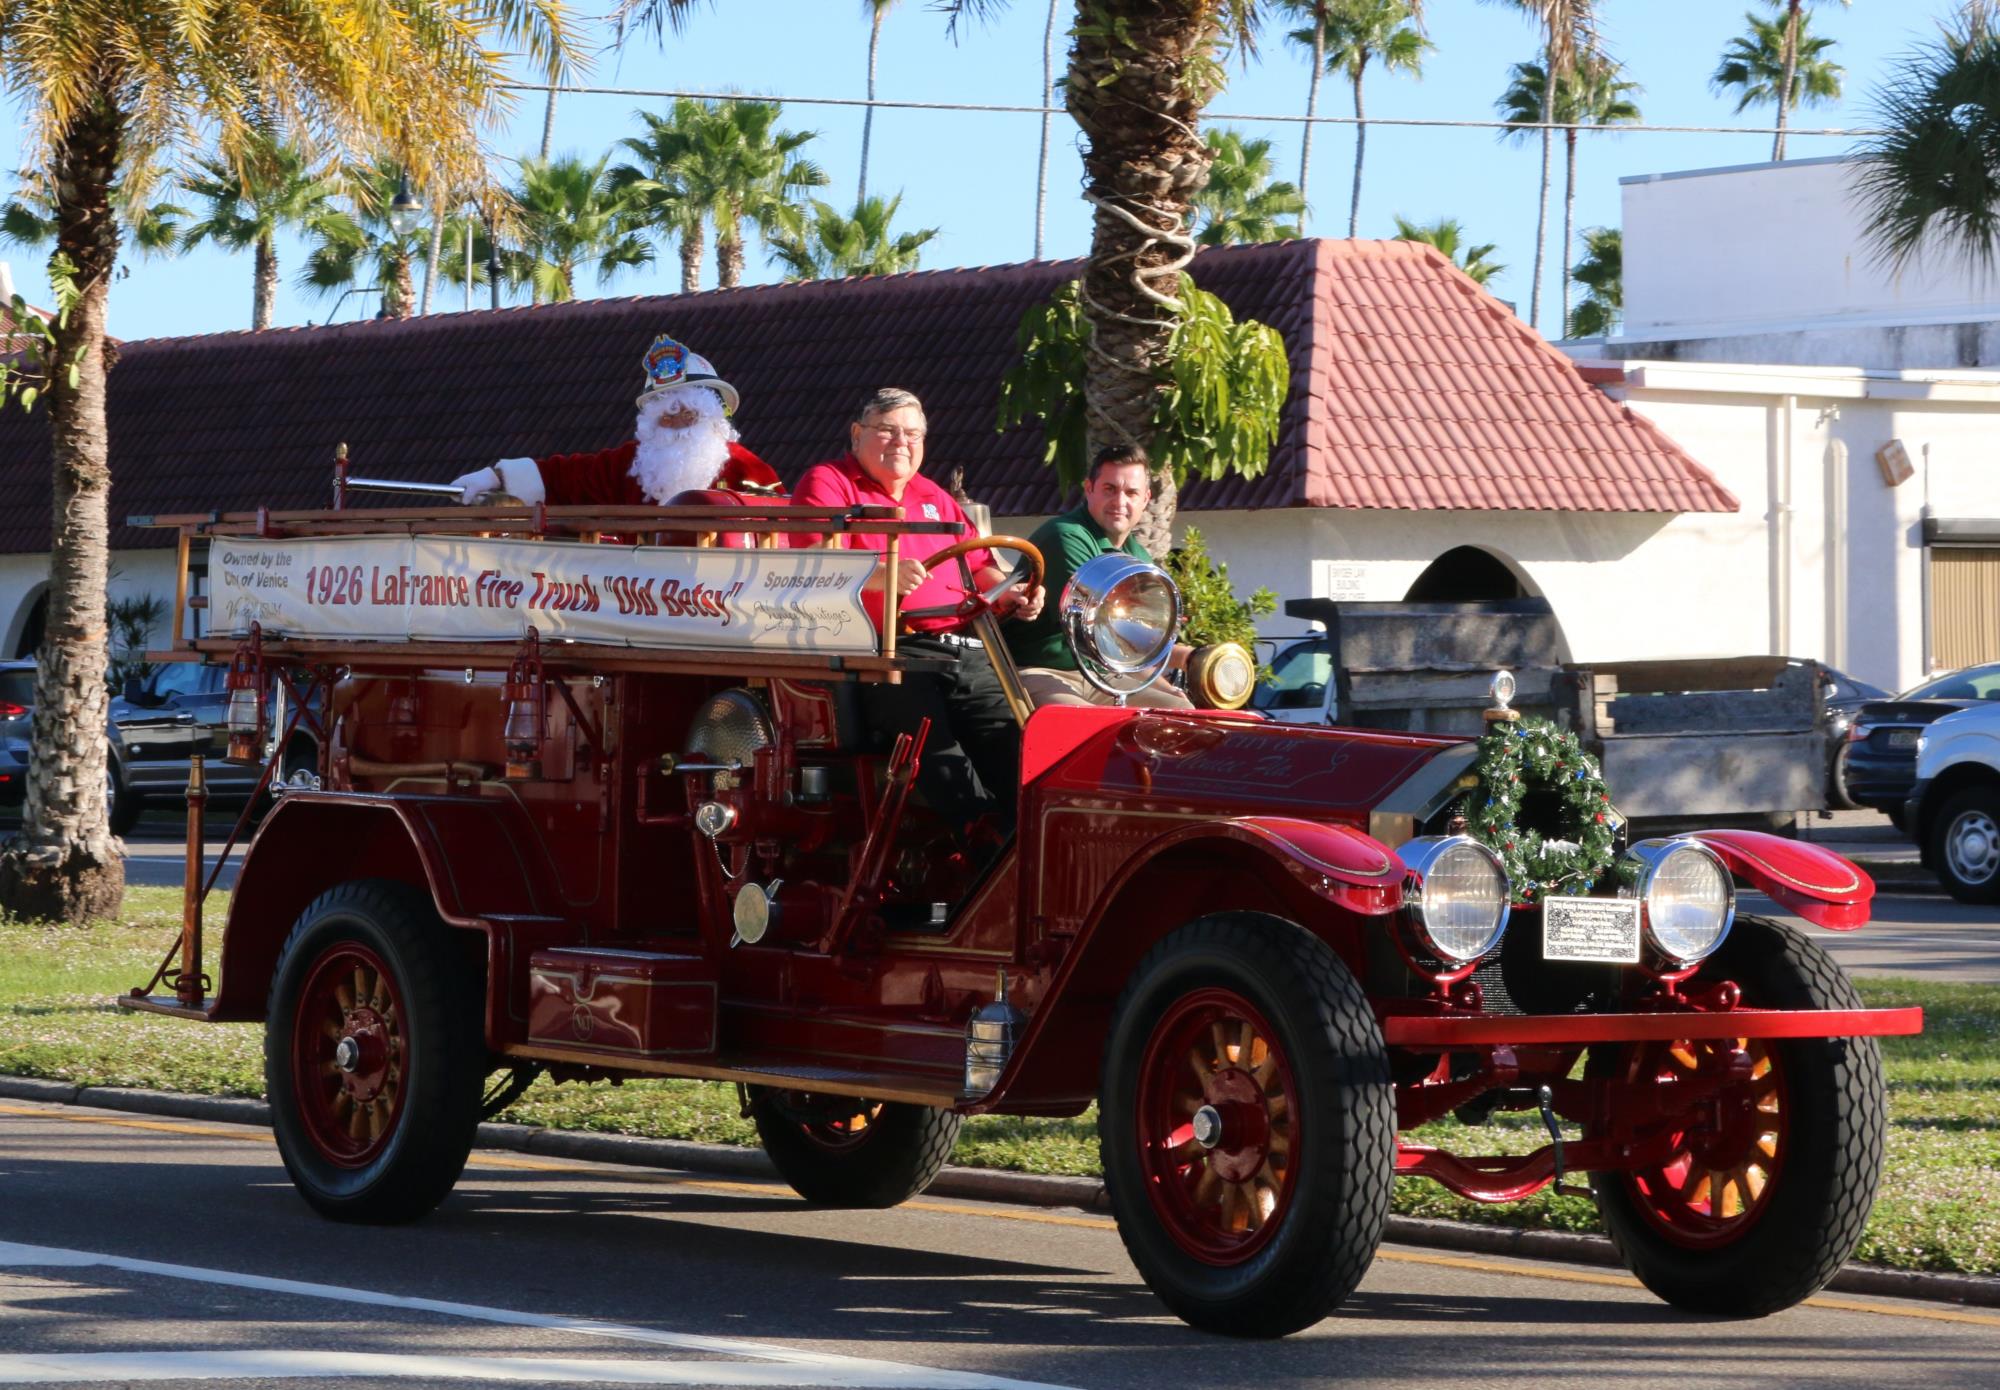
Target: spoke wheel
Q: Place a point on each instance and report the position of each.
(1769, 1175)
(1727, 1158)
(1247, 1125)
(841, 1151)
(1218, 1122)
(374, 1057)
(347, 1055)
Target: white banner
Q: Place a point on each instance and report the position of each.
(443, 588)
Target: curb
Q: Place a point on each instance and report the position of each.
(1900, 876)
(978, 1184)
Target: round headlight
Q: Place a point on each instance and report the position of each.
(1120, 615)
(1689, 897)
(1457, 896)
(1221, 675)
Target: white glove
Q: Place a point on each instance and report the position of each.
(473, 486)
(519, 478)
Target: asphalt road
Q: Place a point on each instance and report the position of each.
(134, 1248)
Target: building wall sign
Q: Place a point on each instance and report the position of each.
(445, 588)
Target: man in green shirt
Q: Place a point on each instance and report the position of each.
(1114, 498)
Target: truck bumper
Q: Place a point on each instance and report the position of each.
(1486, 1029)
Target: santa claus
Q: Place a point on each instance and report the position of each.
(684, 442)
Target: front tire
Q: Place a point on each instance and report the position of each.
(373, 1054)
(1247, 1125)
(1965, 845)
(838, 1151)
(1765, 1193)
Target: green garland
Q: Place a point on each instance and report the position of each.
(1533, 752)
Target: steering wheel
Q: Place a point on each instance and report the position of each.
(1029, 567)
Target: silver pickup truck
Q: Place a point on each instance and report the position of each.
(1739, 740)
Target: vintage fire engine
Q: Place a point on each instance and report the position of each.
(605, 810)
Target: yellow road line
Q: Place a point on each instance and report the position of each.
(1468, 1264)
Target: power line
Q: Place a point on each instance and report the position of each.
(1418, 122)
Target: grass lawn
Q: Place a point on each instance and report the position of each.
(1939, 1206)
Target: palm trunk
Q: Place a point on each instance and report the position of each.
(433, 265)
(1143, 161)
(1790, 76)
(1360, 152)
(1569, 222)
(729, 254)
(403, 288)
(64, 865)
(691, 248)
(549, 122)
(265, 261)
(867, 120)
(1549, 80)
(1048, 87)
(1312, 110)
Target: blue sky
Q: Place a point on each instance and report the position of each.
(973, 175)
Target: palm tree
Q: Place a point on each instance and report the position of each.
(1601, 272)
(273, 186)
(1778, 55)
(1312, 37)
(1239, 202)
(103, 84)
(1569, 31)
(569, 213)
(1049, 86)
(359, 248)
(1353, 34)
(654, 183)
(833, 247)
(1932, 183)
(876, 10)
(737, 167)
(1448, 235)
(1594, 94)
(29, 217)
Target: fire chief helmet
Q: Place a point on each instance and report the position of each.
(669, 365)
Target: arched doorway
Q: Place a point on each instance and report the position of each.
(1467, 574)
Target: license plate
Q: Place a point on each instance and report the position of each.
(1903, 738)
(1591, 929)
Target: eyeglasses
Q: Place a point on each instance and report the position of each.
(886, 432)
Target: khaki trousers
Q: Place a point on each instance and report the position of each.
(1047, 686)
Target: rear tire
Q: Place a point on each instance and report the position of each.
(373, 1053)
(1247, 1125)
(838, 1151)
(1965, 845)
(1754, 1213)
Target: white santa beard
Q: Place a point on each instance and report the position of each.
(670, 461)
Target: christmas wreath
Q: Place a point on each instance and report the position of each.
(1515, 758)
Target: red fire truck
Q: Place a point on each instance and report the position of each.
(605, 810)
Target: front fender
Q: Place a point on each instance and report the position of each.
(1328, 878)
(1818, 884)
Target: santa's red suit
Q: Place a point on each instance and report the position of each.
(604, 479)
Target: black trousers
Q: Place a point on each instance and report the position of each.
(972, 759)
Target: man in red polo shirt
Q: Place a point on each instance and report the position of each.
(972, 761)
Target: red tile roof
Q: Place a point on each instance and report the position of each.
(1412, 388)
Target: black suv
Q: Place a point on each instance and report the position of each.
(161, 721)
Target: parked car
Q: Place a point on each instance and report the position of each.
(1880, 759)
(159, 723)
(1954, 808)
(1844, 698)
(154, 727)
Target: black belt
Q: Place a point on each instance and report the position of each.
(948, 639)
